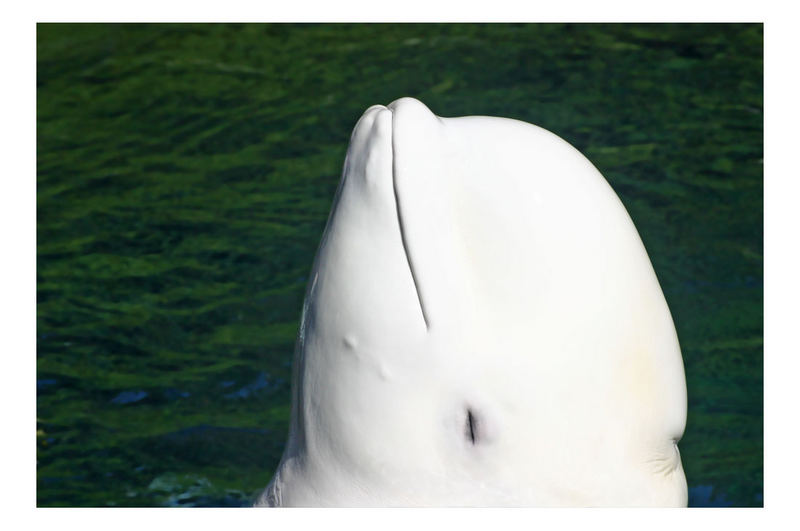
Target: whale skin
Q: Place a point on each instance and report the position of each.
(482, 327)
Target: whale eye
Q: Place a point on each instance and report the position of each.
(471, 427)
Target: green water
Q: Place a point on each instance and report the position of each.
(185, 173)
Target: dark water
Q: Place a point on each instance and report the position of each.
(185, 175)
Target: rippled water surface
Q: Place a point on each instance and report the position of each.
(185, 174)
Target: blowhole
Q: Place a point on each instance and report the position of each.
(471, 427)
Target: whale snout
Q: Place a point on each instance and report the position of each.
(393, 165)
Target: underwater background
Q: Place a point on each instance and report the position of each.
(184, 178)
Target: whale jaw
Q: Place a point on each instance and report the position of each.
(482, 327)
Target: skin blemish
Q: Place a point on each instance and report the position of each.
(350, 341)
(383, 373)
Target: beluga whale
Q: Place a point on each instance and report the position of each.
(482, 327)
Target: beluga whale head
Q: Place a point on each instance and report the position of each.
(482, 327)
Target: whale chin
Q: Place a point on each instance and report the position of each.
(482, 327)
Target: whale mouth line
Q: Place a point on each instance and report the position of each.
(403, 234)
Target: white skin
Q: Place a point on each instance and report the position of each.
(483, 327)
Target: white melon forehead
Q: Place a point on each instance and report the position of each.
(481, 268)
